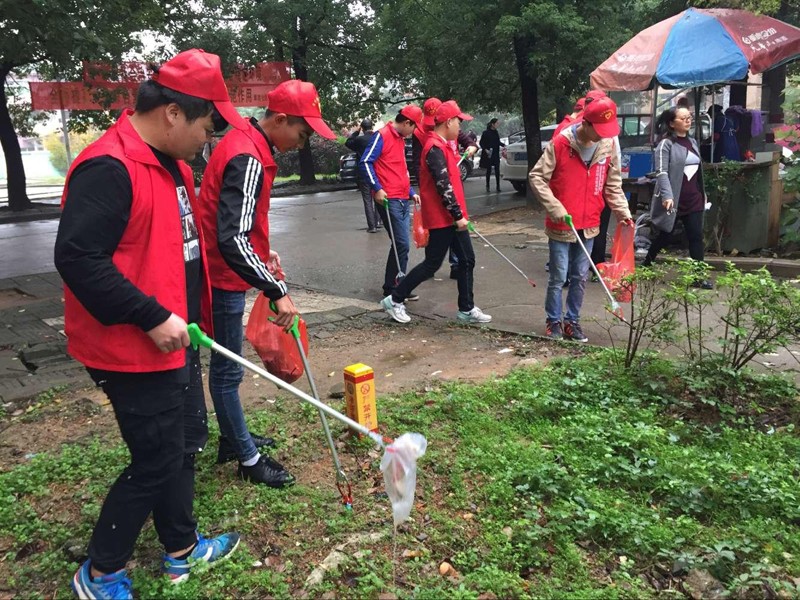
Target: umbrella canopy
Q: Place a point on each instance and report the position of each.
(699, 47)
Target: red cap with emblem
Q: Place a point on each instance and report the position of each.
(602, 114)
(429, 110)
(198, 73)
(299, 99)
(448, 110)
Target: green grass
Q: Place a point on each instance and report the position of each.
(571, 479)
(320, 177)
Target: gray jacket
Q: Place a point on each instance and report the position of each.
(670, 158)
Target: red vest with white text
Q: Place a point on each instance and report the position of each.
(578, 187)
(149, 255)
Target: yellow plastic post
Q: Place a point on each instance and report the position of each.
(359, 388)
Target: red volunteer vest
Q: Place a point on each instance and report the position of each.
(391, 167)
(150, 255)
(434, 214)
(235, 142)
(578, 188)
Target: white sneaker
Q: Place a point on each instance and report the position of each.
(476, 315)
(396, 311)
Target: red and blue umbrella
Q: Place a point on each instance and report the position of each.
(699, 47)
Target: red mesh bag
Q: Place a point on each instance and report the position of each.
(420, 233)
(621, 265)
(277, 349)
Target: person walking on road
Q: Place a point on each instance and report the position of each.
(234, 213)
(384, 166)
(577, 174)
(680, 193)
(490, 144)
(444, 214)
(134, 270)
(358, 143)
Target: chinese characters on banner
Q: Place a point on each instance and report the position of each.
(247, 87)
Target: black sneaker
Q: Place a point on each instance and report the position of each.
(412, 297)
(227, 452)
(453, 273)
(573, 331)
(267, 471)
(553, 330)
(703, 284)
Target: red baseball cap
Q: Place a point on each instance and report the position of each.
(429, 109)
(448, 110)
(299, 99)
(602, 114)
(578, 107)
(595, 94)
(413, 112)
(198, 73)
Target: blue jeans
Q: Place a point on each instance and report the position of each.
(566, 257)
(400, 212)
(225, 375)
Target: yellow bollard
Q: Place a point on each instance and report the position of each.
(359, 387)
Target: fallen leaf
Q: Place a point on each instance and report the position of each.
(467, 516)
(412, 553)
(445, 568)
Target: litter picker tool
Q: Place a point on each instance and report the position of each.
(471, 227)
(400, 275)
(615, 309)
(342, 483)
(399, 462)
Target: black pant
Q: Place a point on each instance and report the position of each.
(496, 174)
(370, 208)
(599, 246)
(693, 226)
(164, 423)
(439, 242)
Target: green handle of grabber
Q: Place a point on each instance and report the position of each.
(197, 337)
(568, 220)
(386, 203)
(470, 226)
(294, 328)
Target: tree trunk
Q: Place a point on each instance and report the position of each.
(523, 48)
(299, 52)
(17, 194)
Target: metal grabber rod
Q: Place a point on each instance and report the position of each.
(199, 338)
(400, 275)
(471, 227)
(616, 309)
(342, 483)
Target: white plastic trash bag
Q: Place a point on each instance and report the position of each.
(399, 466)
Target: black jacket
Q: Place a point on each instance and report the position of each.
(490, 140)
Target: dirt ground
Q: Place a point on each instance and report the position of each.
(420, 355)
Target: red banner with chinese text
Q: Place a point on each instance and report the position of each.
(247, 87)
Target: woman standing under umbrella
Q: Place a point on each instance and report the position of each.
(680, 192)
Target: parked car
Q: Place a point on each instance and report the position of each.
(514, 157)
(348, 168)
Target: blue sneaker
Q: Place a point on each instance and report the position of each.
(208, 551)
(114, 586)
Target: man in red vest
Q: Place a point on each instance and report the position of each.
(234, 213)
(134, 269)
(444, 214)
(578, 173)
(384, 166)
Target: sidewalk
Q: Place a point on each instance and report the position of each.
(33, 355)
